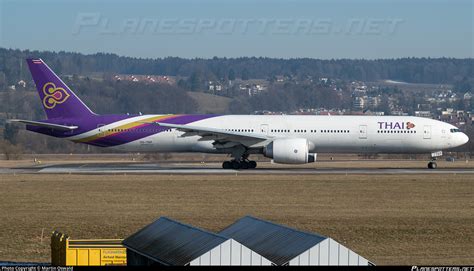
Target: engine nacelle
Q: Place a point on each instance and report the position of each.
(289, 151)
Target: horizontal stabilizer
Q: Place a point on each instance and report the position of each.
(46, 125)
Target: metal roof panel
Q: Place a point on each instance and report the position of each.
(277, 243)
(171, 242)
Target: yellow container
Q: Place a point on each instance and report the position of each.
(96, 252)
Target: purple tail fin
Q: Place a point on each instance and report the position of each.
(58, 100)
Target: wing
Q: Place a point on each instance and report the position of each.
(222, 138)
(46, 125)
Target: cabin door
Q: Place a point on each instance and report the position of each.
(363, 131)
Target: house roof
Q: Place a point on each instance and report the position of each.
(277, 243)
(170, 242)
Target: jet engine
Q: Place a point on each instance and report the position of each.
(289, 151)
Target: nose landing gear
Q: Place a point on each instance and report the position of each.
(432, 165)
(434, 155)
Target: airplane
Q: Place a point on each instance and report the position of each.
(287, 139)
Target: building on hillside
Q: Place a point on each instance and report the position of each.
(467, 95)
(358, 87)
(358, 103)
(423, 114)
(148, 79)
(373, 101)
(287, 246)
(252, 87)
(21, 83)
(214, 86)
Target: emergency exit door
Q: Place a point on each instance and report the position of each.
(427, 132)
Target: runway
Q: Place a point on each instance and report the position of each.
(206, 169)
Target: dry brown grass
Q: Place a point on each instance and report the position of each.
(408, 219)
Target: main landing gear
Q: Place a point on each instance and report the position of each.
(240, 155)
(243, 164)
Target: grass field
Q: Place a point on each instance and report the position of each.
(408, 219)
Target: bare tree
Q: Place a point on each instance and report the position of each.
(10, 151)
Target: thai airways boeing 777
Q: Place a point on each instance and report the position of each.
(287, 139)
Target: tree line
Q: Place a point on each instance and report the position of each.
(415, 70)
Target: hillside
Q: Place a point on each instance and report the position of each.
(209, 103)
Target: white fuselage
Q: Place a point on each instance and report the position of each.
(335, 134)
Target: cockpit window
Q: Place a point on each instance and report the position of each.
(454, 130)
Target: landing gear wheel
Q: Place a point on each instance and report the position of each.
(227, 165)
(252, 164)
(432, 165)
(235, 164)
(244, 165)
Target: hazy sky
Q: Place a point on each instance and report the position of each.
(283, 29)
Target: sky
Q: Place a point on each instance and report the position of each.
(325, 29)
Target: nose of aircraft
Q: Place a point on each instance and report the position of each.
(464, 138)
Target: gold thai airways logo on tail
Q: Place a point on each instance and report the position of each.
(53, 95)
